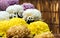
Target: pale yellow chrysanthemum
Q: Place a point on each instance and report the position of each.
(5, 25)
(38, 27)
(45, 35)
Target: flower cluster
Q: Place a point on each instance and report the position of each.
(5, 25)
(38, 27)
(45, 35)
(28, 6)
(5, 3)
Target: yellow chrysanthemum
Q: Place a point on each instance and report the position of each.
(38, 27)
(17, 21)
(5, 25)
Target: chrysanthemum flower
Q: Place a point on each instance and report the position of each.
(5, 25)
(5, 3)
(38, 27)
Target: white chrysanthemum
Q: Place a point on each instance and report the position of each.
(14, 10)
(32, 14)
(4, 15)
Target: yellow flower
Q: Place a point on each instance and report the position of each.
(17, 21)
(38, 27)
(45, 35)
(5, 25)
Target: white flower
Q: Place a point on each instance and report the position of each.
(15, 10)
(31, 14)
(4, 15)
